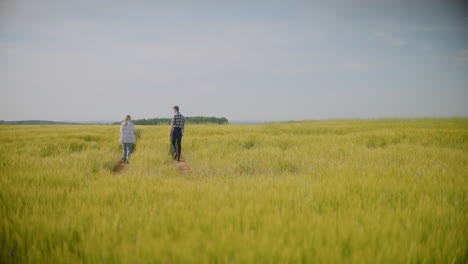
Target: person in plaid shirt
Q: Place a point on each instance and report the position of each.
(176, 133)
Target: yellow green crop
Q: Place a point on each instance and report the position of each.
(342, 191)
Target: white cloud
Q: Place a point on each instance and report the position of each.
(392, 40)
(426, 47)
(436, 28)
(339, 67)
(462, 58)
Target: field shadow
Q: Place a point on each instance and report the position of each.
(120, 166)
(183, 166)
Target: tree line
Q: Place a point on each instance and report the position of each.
(188, 120)
(35, 122)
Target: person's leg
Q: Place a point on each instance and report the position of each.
(124, 151)
(179, 145)
(173, 145)
(129, 150)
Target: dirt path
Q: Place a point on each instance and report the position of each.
(183, 166)
(120, 167)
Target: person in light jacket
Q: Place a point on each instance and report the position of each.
(127, 137)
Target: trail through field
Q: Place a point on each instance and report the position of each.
(183, 166)
(121, 165)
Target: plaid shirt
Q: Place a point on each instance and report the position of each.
(126, 133)
(178, 120)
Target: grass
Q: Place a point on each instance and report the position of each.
(341, 191)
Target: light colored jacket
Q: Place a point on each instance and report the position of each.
(127, 131)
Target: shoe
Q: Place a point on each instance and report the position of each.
(123, 160)
(175, 156)
(178, 158)
(127, 161)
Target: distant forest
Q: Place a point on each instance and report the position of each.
(35, 122)
(188, 120)
(144, 122)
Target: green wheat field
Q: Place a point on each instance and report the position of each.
(340, 191)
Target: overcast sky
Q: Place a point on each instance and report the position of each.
(244, 60)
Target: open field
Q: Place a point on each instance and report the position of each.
(381, 191)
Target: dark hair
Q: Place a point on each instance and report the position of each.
(127, 118)
(176, 108)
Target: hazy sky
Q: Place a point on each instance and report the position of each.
(244, 60)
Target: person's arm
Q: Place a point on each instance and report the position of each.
(183, 125)
(172, 126)
(136, 134)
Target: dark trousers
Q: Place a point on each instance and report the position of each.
(176, 141)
